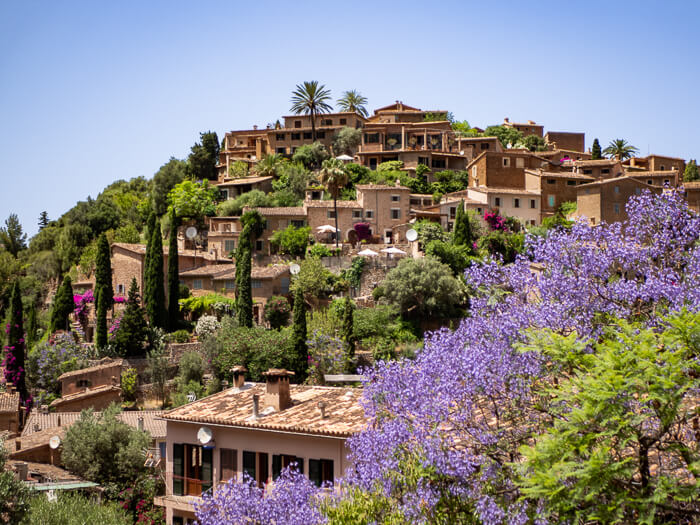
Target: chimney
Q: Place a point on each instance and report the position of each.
(59, 420)
(322, 408)
(44, 409)
(277, 388)
(633, 162)
(139, 423)
(506, 120)
(531, 122)
(255, 127)
(18, 444)
(22, 471)
(238, 376)
(256, 406)
(36, 427)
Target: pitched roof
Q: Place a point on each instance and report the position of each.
(514, 191)
(344, 415)
(9, 402)
(593, 163)
(616, 179)
(141, 250)
(329, 204)
(695, 185)
(151, 421)
(45, 470)
(90, 392)
(560, 174)
(395, 107)
(242, 181)
(228, 271)
(292, 211)
(212, 270)
(380, 187)
(90, 369)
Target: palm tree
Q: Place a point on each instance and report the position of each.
(310, 98)
(334, 177)
(353, 101)
(620, 149)
(269, 165)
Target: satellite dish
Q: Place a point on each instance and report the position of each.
(411, 235)
(205, 435)
(294, 268)
(54, 442)
(191, 232)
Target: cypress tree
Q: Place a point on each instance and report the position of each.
(14, 351)
(155, 288)
(596, 153)
(252, 229)
(32, 324)
(691, 172)
(300, 357)
(173, 274)
(104, 292)
(63, 306)
(459, 236)
(150, 226)
(348, 334)
(132, 331)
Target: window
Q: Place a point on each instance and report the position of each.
(450, 225)
(327, 122)
(229, 463)
(330, 214)
(533, 204)
(192, 469)
(369, 214)
(197, 284)
(356, 214)
(230, 284)
(256, 283)
(297, 123)
(439, 163)
(162, 447)
(423, 160)
(259, 245)
(516, 203)
(475, 172)
(343, 121)
(479, 210)
(83, 383)
(307, 134)
(279, 136)
(551, 181)
(229, 245)
(373, 163)
(605, 170)
(637, 191)
(506, 162)
(120, 288)
(550, 201)
(294, 150)
(395, 213)
(663, 168)
(453, 212)
(650, 182)
(372, 138)
(284, 285)
(667, 181)
(520, 162)
(571, 183)
(616, 208)
(315, 195)
(497, 201)
(298, 223)
(320, 134)
(484, 145)
(249, 464)
(281, 151)
(587, 172)
(282, 461)
(223, 195)
(296, 136)
(395, 198)
(320, 471)
(616, 189)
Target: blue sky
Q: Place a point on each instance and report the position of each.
(92, 92)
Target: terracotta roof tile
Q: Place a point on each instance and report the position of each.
(329, 204)
(9, 402)
(228, 271)
(96, 391)
(344, 415)
(292, 211)
(101, 366)
(593, 163)
(380, 187)
(242, 181)
(514, 191)
(151, 421)
(212, 270)
(45, 470)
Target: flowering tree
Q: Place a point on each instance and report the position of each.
(327, 355)
(81, 310)
(445, 431)
(48, 360)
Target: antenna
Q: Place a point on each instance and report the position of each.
(54, 442)
(191, 232)
(411, 235)
(205, 435)
(294, 268)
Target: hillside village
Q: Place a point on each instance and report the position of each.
(228, 328)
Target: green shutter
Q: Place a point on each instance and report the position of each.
(315, 471)
(207, 461)
(178, 468)
(276, 466)
(249, 463)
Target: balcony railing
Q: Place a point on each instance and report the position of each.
(183, 486)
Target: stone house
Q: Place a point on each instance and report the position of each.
(93, 387)
(692, 195)
(10, 411)
(258, 429)
(598, 169)
(297, 131)
(245, 146)
(523, 204)
(526, 128)
(656, 163)
(669, 178)
(230, 188)
(605, 200)
(566, 140)
(505, 169)
(555, 188)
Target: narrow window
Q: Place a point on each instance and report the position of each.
(229, 463)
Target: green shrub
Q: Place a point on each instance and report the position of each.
(277, 311)
(74, 509)
(129, 380)
(319, 250)
(190, 368)
(179, 336)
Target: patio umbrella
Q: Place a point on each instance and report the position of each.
(393, 251)
(344, 157)
(368, 253)
(326, 228)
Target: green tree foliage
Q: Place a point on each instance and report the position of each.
(129, 381)
(620, 149)
(277, 311)
(456, 256)
(32, 324)
(422, 288)
(691, 172)
(193, 200)
(14, 358)
(534, 143)
(507, 136)
(158, 370)
(238, 169)
(154, 293)
(334, 177)
(12, 237)
(507, 245)
(150, 227)
(311, 156)
(462, 234)
(191, 368)
(311, 98)
(315, 280)
(616, 449)
(353, 101)
(435, 117)
(173, 275)
(166, 178)
(204, 156)
(251, 199)
(293, 178)
(596, 152)
(252, 229)
(74, 509)
(43, 220)
(346, 141)
(429, 231)
(270, 165)
(132, 333)
(14, 494)
(300, 352)
(348, 333)
(62, 306)
(104, 293)
(292, 240)
(463, 129)
(104, 449)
